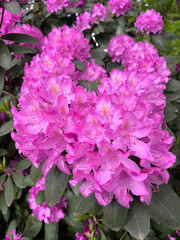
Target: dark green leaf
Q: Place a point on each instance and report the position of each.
(173, 85)
(9, 191)
(115, 215)
(169, 115)
(83, 217)
(172, 59)
(6, 128)
(79, 65)
(55, 185)
(2, 71)
(20, 38)
(159, 41)
(3, 205)
(169, 35)
(3, 152)
(2, 179)
(81, 205)
(51, 231)
(5, 56)
(164, 207)
(23, 164)
(95, 210)
(12, 7)
(133, 13)
(18, 179)
(40, 197)
(75, 225)
(172, 96)
(138, 221)
(32, 228)
(90, 86)
(22, 49)
(11, 226)
(35, 174)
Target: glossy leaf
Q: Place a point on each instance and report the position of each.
(115, 215)
(173, 85)
(3, 206)
(9, 191)
(6, 128)
(35, 174)
(55, 185)
(23, 164)
(81, 205)
(40, 197)
(138, 221)
(159, 41)
(5, 56)
(22, 49)
(20, 38)
(33, 227)
(164, 207)
(13, 7)
(18, 179)
(51, 231)
(79, 65)
(75, 225)
(2, 71)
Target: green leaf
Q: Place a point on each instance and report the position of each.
(2, 179)
(80, 65)
(51, 231)
(169, 114)
(18, 179)
(75, 226)
(20, 38)
(55, 185)
(12, 7)
(9, 192)
(22, 49)
(33, 227)
(99, 52)
(11, 226)
(90, 86)
(2, 71)
(6, 128)
(115, 215)
(172, 59)
(173, 85)
(95, 210)
(170, 35)
(81, 205)
(3, 205)
(138, 221)
(35, 174)
(5, 56)
(3, 152)
(23, 164)
(159, 41)
(40, 197)
(83, 217)
(164, 207)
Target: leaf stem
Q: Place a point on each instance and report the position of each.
(10, 94)
(123, 235)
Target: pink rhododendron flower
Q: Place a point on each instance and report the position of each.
(119, 7)
(87, 232)
(15, 235)
(9, 21)
(150, 21)
(111, 141)
(55, 5)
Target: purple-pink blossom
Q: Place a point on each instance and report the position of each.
(119, 7)
(150, 21)
(55, 5)
(113, 140)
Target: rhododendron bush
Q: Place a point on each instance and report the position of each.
(89, 121)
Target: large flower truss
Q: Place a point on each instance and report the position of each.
(111, 140)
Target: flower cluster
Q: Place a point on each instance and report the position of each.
(87, 19)
(55, 5)
(43, 211)
(150, 21)
(173, 238)
(110, 141)
(119, 7)
(87, 231)
(9, 21)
